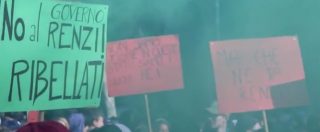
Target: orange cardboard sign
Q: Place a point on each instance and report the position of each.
(143, 65)
(258, 74)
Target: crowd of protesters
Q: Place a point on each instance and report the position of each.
(93, 120)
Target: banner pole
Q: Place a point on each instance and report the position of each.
(148, 112)
(265, 120)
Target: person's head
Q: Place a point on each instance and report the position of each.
(220, 121)
(95, 119)
(63, 121)
(161, 125)
(76, 122)
(98, 122)
(216, 121)
(47, 126)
